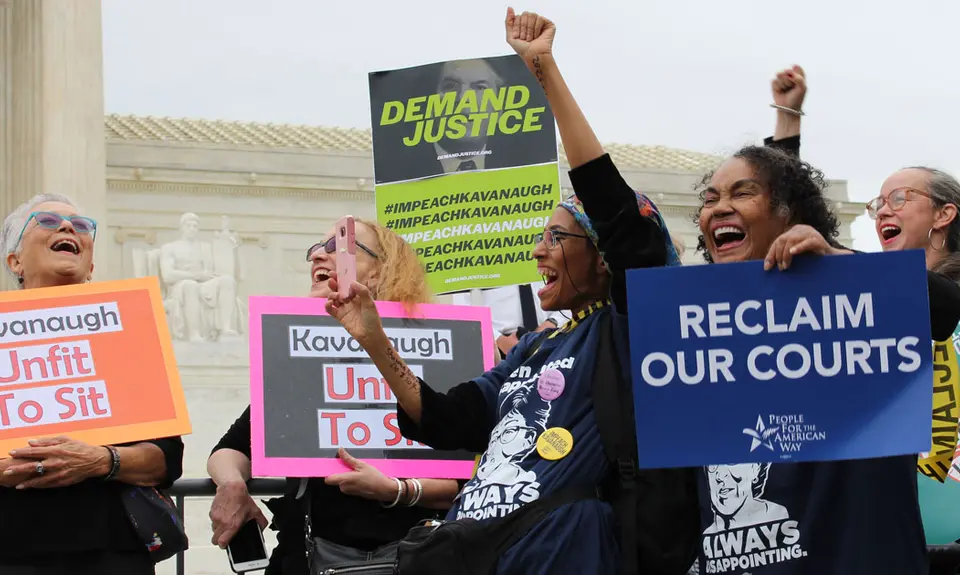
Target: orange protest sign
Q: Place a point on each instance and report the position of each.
(93, 362)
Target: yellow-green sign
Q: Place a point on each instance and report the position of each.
(465, 162)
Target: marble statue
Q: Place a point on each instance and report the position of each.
(200, 283)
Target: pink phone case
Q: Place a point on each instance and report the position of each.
(346, 255)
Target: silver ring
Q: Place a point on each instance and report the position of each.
(40, 470)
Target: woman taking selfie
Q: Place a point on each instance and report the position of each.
(61, 507)
(353, 514)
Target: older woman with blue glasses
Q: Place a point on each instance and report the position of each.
(60, 499)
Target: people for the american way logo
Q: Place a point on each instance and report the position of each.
(761, 435)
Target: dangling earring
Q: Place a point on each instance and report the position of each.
(930, 239)
(20, 280)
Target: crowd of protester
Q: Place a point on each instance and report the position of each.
(60, 499)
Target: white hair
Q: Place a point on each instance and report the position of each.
(13, 224)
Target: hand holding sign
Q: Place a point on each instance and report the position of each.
(357, 313)
(65, 462)
(795, 241)
(364, 481)
(529, 34)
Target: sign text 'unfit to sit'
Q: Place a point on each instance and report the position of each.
(362, 383)
(65, 361)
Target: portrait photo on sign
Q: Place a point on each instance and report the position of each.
(314, 389)
(460, 115)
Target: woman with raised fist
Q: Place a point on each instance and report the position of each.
(557, 487)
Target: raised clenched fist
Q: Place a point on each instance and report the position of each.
(790, 88)
(529, 34)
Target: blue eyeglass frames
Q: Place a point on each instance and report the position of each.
(52, 221)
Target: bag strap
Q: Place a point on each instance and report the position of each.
(504, 533)
(613, 406)
(304, 497)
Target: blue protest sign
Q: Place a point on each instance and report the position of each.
(829, 360)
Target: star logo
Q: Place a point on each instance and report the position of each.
(761, 435)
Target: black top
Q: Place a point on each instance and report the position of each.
(458, 419)
(339, 518)
(88, 516)
(500, 412)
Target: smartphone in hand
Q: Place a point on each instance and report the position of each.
(346, 254)
(247, 551)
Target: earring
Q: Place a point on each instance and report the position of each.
(930, 239)
(20, 280)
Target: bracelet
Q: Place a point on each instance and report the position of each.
(418, 490)
(400, 490)
(788, 110)
(115, 464)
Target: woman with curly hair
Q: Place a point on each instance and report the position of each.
(767, 204)
(355, 516)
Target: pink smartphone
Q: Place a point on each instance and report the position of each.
(346, 255)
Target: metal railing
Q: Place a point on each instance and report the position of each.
(944, 559)
(207, 488)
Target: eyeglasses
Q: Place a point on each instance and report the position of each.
(553, 237)
(895, 200)
(52, 221)
(330, 246)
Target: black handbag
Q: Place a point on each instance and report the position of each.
(328, 558)
(156, 521)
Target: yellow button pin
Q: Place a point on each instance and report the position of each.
(554, 443)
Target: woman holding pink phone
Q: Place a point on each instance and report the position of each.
(353, 515)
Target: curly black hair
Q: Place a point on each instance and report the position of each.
(795, 187)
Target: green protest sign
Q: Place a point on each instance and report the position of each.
(465, 164)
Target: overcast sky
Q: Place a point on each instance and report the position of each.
(691, 74)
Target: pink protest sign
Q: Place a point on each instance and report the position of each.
(313, 389)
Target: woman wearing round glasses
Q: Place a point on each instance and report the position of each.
(355, 515)
(60, 499)
(917, 209)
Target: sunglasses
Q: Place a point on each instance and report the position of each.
(53, 221)
(330, 246)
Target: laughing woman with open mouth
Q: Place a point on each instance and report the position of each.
(532, 416)
(61, 511)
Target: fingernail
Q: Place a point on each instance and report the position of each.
(20, 486)
(8, 472)
(793, 251)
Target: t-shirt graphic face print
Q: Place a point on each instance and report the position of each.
(513, 440)
(511, 472)
(812, 518)
(746, 529)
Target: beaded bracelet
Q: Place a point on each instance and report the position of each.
(400, 491)
(115, 463)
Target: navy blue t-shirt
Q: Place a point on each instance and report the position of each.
(812, 518)
(580, 537)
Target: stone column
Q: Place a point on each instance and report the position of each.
(51, 108)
